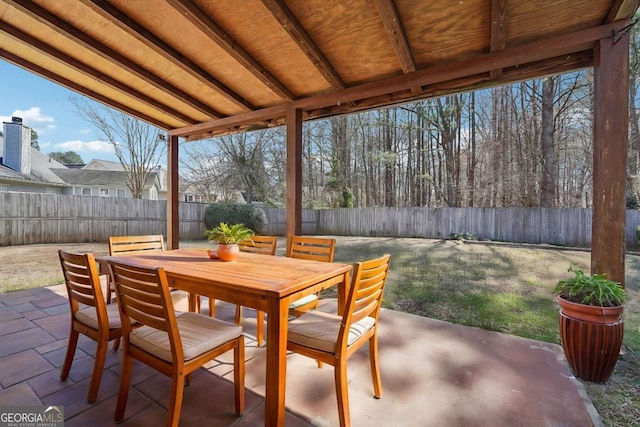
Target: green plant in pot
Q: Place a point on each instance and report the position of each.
(228, 237)
(590, 322)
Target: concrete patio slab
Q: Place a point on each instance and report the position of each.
(433, 374)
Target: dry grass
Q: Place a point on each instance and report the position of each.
(500, 287)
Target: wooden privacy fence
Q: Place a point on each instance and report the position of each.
(558, 226)
(29, 218)
(32, 218)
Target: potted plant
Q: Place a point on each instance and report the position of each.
(590, 322)
(228, 237)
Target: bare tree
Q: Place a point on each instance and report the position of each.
(139, 146)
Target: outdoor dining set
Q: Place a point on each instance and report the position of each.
(129, 299)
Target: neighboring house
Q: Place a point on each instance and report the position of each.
(103, 183)
(25, 169)
(106, 165)
(40, 180)
(22, 167)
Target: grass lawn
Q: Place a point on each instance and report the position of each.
(500, 287)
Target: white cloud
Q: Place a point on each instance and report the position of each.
(34, 118)
(85, 146)
(85, 131)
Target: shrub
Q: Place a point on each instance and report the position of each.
(462, 236)
(236, 213)
(638, 233)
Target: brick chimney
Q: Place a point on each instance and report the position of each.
(16, 152)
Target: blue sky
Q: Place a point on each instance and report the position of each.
(45, 107)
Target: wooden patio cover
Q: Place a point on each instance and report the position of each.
(204, 68)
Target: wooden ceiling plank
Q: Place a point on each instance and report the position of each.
(498, 30)
(622, 8)
(163, 49)
(69, 84)
(200, 19)
(59, 56)
(391, 20)
(290, 23)
(514, 56)
(553, 47)
(63, 28)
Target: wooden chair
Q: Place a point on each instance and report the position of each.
(133, 245)
(136, 245)
(174, 345)
(313, 248)
(331, 339)
(90, 315)
(265, 245)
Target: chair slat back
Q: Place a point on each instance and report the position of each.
(135, 244)
(365, 294)
(143, 295)
(312, 248)
(82, 281)
(265, 245)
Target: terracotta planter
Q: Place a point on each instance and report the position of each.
(228, 252)
(591, 339)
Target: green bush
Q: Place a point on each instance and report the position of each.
(462, 236)
(236, 213)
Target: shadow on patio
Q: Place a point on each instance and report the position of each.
(433, 374)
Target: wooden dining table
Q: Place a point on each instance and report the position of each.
(262, 282)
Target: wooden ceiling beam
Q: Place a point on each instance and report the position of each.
(201, 20)
(131, 27)
(290, 23)
(61, 57)
(262, 115)
(566, 44)
(393, 25)
(77, 36)
(498, 30)
(69, 84)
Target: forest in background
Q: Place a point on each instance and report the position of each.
(528, 144)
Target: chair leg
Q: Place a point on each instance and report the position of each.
(212, 307)
(238, 375)
(260, 327)
(123, 393)
(71, 351)
(175, 401)
(342, 392)
(116, 344)
(238, 318)
(375, 368)
(98, 367)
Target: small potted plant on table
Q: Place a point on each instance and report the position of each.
(228, 237)
(590, 322)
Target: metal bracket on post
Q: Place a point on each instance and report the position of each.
(617, 35)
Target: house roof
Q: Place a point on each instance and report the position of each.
(203, 68)
(97, 164)
(92, 178)
(41, 173)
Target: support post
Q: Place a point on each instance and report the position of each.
(173, 202)
(294, 172)
(610, 135)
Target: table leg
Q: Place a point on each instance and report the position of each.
(343, 291)
(278, 319)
